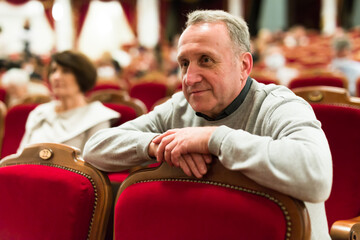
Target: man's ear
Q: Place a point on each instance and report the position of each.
(246, 64)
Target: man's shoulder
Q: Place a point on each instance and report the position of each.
(272, 90)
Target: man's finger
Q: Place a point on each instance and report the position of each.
(191, 164)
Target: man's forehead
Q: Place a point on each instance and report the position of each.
(203, 28)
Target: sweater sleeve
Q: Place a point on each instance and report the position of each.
(122, 147)
(290, 154)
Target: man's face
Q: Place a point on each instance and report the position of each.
(211, 72)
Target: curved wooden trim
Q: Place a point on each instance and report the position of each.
(327, 95)
(3, 111)
(346, 229)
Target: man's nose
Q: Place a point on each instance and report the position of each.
(192, 75)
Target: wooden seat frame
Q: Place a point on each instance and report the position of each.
(295, 212)
(327, 95)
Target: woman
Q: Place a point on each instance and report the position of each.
(69, 118)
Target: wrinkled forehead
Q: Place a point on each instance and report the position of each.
(204, 36)
(203, 30)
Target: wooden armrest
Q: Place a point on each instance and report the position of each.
(346, 229)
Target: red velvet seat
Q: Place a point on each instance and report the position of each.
(104, 86)
(3, 95)
(14, 127)
(110, 97)
(339, 115)
(149, 92)
(163, 203)
(318, 80)
(341, 126)
(126, 111)
(48, 192)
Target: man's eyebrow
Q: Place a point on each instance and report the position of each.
(202, 53)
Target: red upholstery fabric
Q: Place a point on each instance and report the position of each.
(3, 94)
(103, 86)
(15, 121)
(342, 127)
(149, 92)
(43, 202)
(127, 112)
(118, 177)
(316, 81)
(185, 210)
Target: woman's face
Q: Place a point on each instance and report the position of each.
(63, 81)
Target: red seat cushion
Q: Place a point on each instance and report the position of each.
(342, 127)
(43, 202)
(187, 210)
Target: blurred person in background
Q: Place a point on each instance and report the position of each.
(69, 118)
(343, 62)
(275, 62)
(18, 86)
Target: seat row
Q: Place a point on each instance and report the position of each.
(314, 77)
(49, 192)
(339, 115)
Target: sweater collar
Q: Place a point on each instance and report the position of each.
(233, 105)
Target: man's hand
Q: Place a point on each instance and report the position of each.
(186, 148)
(195, 164)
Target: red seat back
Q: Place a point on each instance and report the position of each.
(103, 86)
(49, 193)
(341, 126)
(127, 112)
(3, 95)
(15, 121)
(333, 81)
(149, 92)
(161, 203)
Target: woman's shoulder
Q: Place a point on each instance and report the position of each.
(44, 108)
(100, 110)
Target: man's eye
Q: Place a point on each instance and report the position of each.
(206, 60)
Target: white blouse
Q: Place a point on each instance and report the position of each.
(73, 127)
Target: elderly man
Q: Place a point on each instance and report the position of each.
(264, 131)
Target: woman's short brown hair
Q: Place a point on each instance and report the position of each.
(82, 67)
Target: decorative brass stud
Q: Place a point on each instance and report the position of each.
(315, 96)
(45, 154)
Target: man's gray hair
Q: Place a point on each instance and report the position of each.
(237, 27)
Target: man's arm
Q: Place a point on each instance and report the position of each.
(119, 148)
(289, 152)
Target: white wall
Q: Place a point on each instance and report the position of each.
(12, 19)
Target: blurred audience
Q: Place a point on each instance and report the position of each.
(18, 86)
(275, 62)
